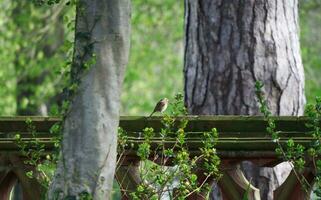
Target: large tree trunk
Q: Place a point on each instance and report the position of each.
(90, 128)
(232, 44)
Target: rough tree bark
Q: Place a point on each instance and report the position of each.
(90, 128)
(232, 44)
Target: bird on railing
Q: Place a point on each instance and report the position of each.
(160, 106)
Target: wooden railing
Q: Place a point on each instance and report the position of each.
(240, 138)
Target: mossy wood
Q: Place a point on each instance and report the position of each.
(236, 133)
(240, 138)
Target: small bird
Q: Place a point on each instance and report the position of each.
(160, 106)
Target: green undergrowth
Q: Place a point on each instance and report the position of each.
(170, 170)
(302, 158)
(177, 180)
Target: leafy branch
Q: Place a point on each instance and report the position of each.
(189, 174)
(293, 153)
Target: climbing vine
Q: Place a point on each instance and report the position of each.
(297, 154)
(314, 151)
(181, 180)
(34, 152)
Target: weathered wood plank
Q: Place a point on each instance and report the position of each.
(240, 137)
(18, 123)
(236, 133)
(9, 145)
(196, 123)
(222, 123)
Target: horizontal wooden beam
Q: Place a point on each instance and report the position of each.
(226, 123)
(18, 123)
(240, 138)
(236, 133)
(234, 124)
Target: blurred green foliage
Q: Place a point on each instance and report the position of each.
(155, 67)
(7, 73)
(310, 22)
(34, 55)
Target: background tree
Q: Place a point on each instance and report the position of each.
(156, 53)
(232, 44)
(155, 64)
(34, 38)
(310, 18)
(35, 83)
(33, 62)
(89, 142)
(28, 68)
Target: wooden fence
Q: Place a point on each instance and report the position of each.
(241, 138)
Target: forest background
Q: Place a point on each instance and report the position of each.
(36, 49)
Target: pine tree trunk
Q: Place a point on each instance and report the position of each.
(232, 44)
(90, 128)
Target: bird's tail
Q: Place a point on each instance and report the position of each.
(151, 113)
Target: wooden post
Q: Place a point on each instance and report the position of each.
(234, 185)
(8, 180)
(292, 188)
(240, 138)
(127, 176)
(31, 188)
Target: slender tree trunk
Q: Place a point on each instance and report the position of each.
(90, 128)
(232, 44)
